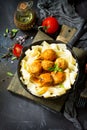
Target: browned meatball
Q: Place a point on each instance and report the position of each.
(34, 78)
(49, 54)
(46, 79)
(62, 63)
(46, 64)
(35, 67)
(58, 77)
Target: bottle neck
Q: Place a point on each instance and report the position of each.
(22, 7)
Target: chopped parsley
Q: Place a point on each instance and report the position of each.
(55, 68)
(10, 33)
(61, 86)
(10, 74)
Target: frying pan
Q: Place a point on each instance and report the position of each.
(39, 43)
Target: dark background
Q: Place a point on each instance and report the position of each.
(17, 113)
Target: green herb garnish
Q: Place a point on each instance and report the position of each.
(55, 68)
(14, 32)
(10, 33)
(7, 30)
(9, 74)
(61, 86)
(14, 58)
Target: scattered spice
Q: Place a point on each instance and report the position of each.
(22, 39)
(12, 62)
(3, 80)
(5, 35)
(31, 38)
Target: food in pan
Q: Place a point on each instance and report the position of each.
(48, 70)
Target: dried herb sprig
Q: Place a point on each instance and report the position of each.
(8, 54)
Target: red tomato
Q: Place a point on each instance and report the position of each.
(50, 25)
(17, 50)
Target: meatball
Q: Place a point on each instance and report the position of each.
(46, 79)
(46, 64)
(62, 63)
(34, 79)
(58, 77)
(35, 67)
(49, 54)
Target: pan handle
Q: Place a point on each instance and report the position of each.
(70, 35)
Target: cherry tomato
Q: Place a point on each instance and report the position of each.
(17, 50)
(50, 25)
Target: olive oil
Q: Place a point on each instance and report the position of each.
(25, 16)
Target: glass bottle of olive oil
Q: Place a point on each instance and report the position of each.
(25, 16)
